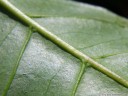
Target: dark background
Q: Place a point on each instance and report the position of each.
(119, 7)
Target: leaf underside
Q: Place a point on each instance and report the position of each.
(31, 65)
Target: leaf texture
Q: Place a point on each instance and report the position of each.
(32, 65)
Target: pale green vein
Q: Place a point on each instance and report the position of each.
(50, 83)
(7, 35)
(76, 33)
(16, 65)
(104, 42)
(82, 70)
(110, 55)
(96, 19)
(6, 4)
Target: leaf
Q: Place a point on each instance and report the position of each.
(32, 65)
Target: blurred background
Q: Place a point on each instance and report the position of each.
(119, 7)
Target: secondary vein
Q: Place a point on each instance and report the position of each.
(61, 43)
(1, 42)
(17, 63)
(82, 70)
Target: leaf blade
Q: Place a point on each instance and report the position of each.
(49, 70)
(114, 51)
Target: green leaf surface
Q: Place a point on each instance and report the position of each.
(32, 65)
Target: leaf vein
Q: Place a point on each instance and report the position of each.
(17, 63)
(7, 35)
